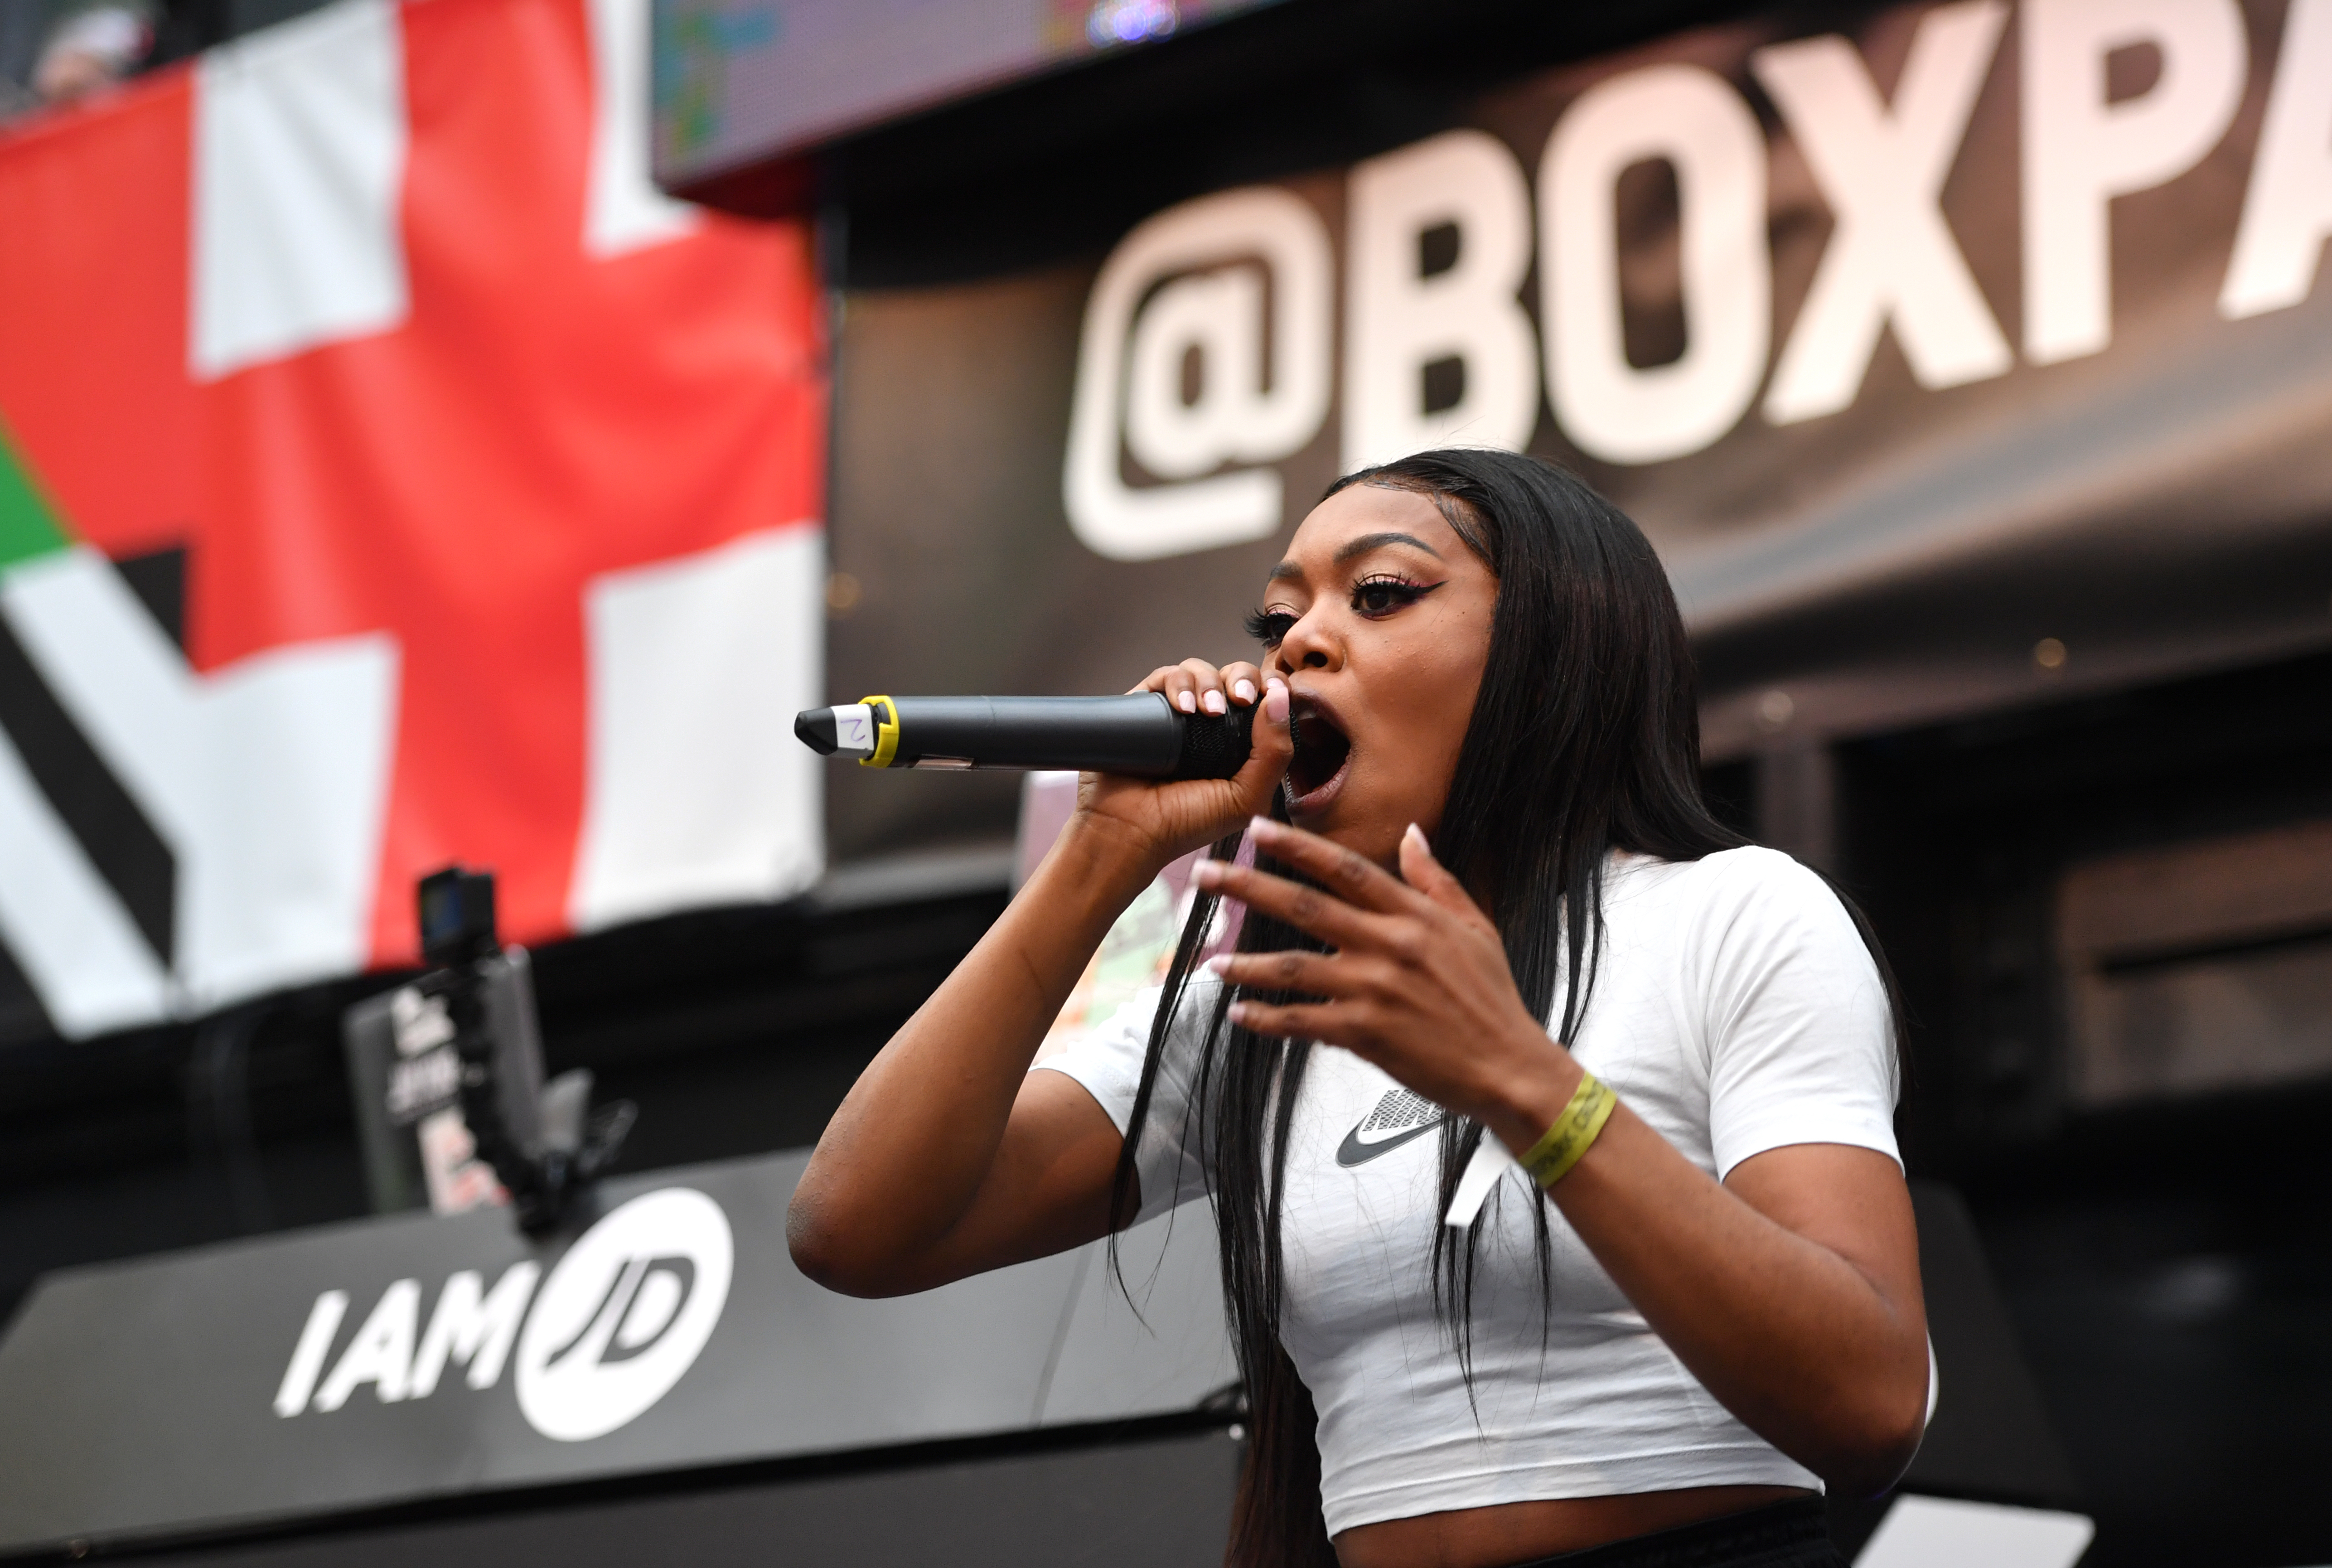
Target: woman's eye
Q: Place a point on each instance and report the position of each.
(1269, 627)
(1382, 596)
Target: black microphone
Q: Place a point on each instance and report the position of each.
(1140, 735)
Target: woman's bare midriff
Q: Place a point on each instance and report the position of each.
(1518, 1532)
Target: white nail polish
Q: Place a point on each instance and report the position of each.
(1246, 690)
(1184, 700)
(1217, 965)
(1215, 702)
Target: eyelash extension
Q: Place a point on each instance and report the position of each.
(1268, 627)
(1399, 590)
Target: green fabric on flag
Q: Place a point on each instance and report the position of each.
(27, 525)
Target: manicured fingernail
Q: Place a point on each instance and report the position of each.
(1415, 836)
(1187, 703)
(1275, 704)
(1240, 1011)
(1218, 966)
(1215, 702)
(1207, 873)
(1244, 691)
(1263, 827)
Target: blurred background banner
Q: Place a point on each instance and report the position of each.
(1910, 344)
(389, 475)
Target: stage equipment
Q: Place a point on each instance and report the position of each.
(448, 1076)
(1140, 735)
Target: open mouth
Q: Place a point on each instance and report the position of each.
(1323, 752)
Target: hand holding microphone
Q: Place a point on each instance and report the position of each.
(1174, 818)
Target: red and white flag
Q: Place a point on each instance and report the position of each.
(389, 475)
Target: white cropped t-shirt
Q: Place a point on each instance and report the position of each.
(1735, 1008)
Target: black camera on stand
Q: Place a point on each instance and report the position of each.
(448, 1076)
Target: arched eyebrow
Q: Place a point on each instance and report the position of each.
(1356, 547)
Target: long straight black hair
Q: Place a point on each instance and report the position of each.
(1585, 737)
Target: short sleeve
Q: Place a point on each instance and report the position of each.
(1108, 1063)
(1801, 1037)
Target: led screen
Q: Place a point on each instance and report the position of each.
(737, 80)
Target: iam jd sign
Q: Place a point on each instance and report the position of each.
(621, 1319)
(391, 1360)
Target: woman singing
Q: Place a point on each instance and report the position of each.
(1485, 896)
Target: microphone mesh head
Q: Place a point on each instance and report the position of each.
(1216, 747)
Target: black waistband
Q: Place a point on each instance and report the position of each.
(1779, 1535)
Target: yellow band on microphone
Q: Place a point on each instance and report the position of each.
(886, 732)
(1550, 1160)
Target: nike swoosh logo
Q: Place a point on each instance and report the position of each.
(1353, 1152)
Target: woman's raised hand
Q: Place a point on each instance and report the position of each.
(1163, 821)
(1419, 982)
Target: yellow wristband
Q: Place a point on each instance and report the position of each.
(1550, 1158)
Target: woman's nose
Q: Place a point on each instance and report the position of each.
(1306, 646)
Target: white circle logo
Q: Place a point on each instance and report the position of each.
(625, 1315)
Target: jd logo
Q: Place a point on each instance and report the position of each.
(624, 1314)
(619, 1321)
